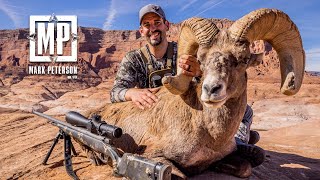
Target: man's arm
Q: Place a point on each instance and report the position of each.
(143, 98)
(123, 88)
(125, 79)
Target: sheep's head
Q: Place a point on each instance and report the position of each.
(224, 65)
(225, 55)
(222, 70)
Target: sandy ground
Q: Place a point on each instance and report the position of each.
(289, 129)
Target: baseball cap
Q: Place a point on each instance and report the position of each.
(151, 8)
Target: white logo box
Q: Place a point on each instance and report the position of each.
(73, 22)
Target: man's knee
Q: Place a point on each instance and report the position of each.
(247, 118)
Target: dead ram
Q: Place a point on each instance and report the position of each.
(193, 125)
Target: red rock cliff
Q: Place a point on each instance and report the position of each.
(100, 52)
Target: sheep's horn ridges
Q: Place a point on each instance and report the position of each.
(194, 32)
(277, 28)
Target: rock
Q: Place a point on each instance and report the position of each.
(101, 51)
(39, 108)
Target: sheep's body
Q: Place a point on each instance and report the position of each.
(190, 136)
(197, 128)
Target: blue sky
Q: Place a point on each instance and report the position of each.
(123, 14)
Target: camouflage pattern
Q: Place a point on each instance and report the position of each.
(243, 133)
(133, 73)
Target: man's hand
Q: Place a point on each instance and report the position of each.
(190, 66)
(143, 98)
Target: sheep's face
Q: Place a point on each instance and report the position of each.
(224, 73)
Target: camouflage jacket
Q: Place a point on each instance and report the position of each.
(133, 72)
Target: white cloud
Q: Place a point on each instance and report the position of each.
(11, 12)
(211, 5)
(112, 12)
(84, 13)
(313, 59)
(110, 19)
(187, 5)
(117, 8)
(123, 7)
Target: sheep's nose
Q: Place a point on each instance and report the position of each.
(212, 89)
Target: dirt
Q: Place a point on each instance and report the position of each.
(289, 129)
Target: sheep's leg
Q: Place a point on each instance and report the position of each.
(233, 164)
(176, 173)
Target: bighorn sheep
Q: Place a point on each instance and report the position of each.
(197, 128)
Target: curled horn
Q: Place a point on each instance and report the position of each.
(277, 28)
(195, 33)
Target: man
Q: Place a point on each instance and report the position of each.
(132, 82)
(133, 70)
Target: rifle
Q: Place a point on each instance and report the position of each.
(98, 135)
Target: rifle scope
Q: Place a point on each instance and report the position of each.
(94, 125)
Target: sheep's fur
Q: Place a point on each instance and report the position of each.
(197, 128)
(179, 129)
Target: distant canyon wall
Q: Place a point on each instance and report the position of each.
(100, 52)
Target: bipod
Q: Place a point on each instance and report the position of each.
(67, 153)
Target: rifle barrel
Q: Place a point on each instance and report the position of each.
(130, 165)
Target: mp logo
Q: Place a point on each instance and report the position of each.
(49, 36)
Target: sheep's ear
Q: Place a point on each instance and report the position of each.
(202, 54)
(255, 59)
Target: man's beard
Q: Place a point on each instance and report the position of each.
(155, 42)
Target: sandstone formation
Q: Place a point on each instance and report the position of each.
(100, 52)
